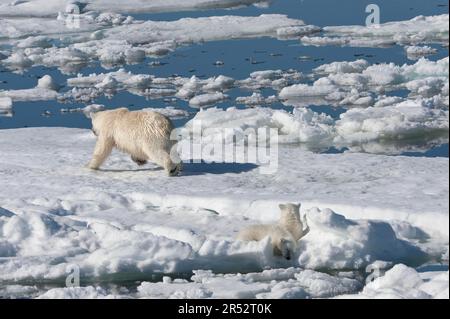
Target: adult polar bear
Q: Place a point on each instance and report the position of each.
(145, 135)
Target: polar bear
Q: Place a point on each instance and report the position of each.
(145, 135)
(284, 234)
(290, 219)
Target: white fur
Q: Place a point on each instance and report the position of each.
(143, 135)
(284, 234)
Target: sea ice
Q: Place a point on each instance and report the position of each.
(45, 8)
(44, 91)
(418, 30)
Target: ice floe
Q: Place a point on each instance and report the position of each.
(256, 99)
(87, 110)
(416, 52)
(409, 119)
(113, 39)
(5, 106)
(207, 99)
(169, 111)
(402, 282)
(353, 83)
(45, 8)
(276, 283)
(44, 91)
(418, 30)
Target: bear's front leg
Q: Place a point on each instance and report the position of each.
(103, 148)
(138, 161)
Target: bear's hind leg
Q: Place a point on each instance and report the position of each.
(162, 159)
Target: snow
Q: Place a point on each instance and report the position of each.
(338, 243)
(176, 237)
(89, 292)
(78, 215)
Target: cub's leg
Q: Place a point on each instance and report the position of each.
(103, 148)
(306, 230)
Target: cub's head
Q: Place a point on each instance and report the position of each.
(290, 211)
(101, 120)
(285, 248)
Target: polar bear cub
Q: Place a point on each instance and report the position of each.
(284, 234)
(142, 134)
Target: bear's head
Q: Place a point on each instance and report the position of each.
(290, 212)
(285, 248)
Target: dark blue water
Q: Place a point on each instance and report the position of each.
(199, 60)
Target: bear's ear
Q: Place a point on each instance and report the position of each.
(282, 207)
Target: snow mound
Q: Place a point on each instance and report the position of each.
(402, 282)
(338, 243)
